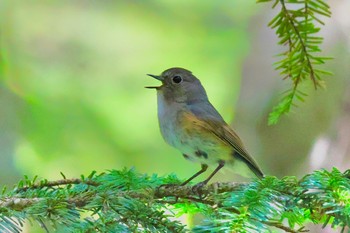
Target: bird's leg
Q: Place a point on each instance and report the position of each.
(221, 164)
(203, 169)
(198, 186)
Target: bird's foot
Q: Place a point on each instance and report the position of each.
(198, 189)
(163, 188)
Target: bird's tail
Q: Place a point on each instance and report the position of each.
(252, 165)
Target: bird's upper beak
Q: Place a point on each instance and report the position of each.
(160, 78)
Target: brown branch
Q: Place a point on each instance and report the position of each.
(188, 191)
(49, 184)
(286, 229)
(18, 203)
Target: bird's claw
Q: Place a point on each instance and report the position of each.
(197, 189)
(166, 186)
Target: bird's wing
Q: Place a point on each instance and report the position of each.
(226, 134)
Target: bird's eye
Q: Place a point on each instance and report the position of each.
(177, 79)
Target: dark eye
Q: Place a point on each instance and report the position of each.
(177, 79)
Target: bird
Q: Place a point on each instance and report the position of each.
(191, 124)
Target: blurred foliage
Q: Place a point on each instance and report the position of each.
(127, 201)
(72, 77)
(296, 27)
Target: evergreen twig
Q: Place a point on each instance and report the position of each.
(296, 28)
(128, 201)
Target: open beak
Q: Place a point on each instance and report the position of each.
(160, 78)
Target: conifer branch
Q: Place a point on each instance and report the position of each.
(295, 28)
(128, 201)
(302, 42)
(166, 191)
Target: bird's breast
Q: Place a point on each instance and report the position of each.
(168, 120)
(179, 128)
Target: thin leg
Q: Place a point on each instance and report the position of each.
(221, 164)
(203, 169)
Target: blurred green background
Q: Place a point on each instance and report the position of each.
(73, 73)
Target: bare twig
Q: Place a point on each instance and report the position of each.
(48, 184)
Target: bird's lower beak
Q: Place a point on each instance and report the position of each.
(160, 78)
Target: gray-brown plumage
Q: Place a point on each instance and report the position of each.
(190, 123)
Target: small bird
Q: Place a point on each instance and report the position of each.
(190, 123)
